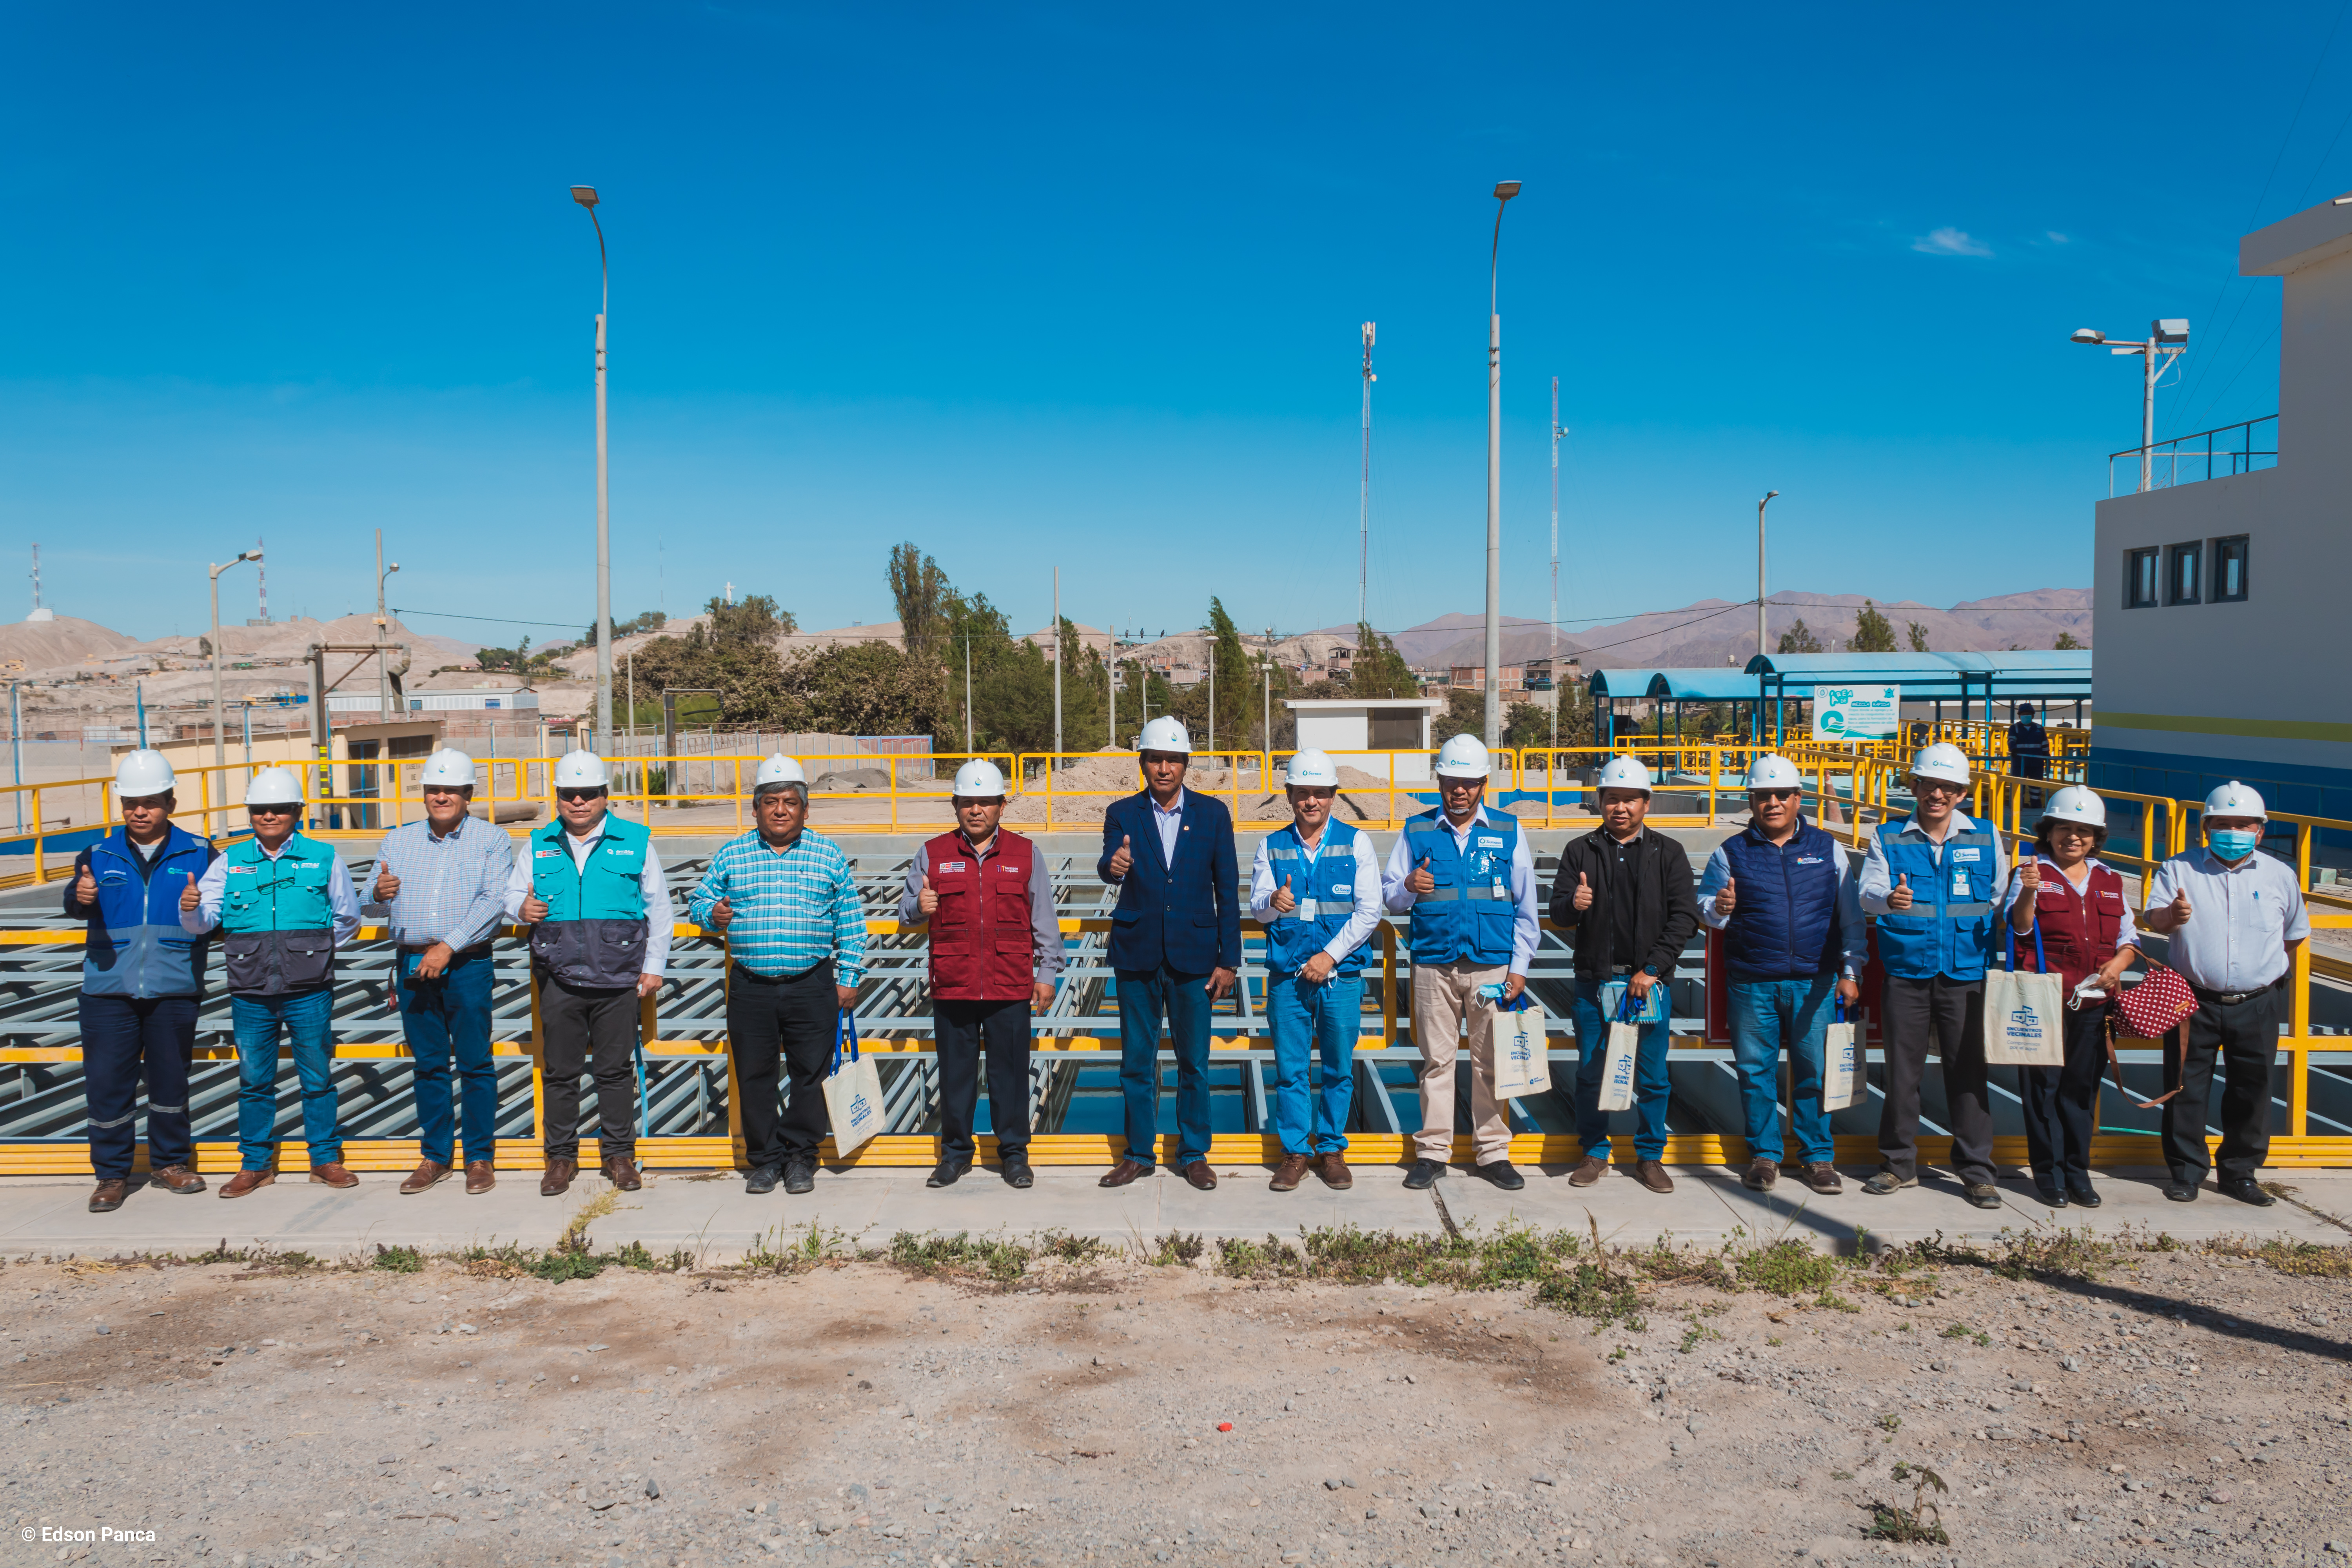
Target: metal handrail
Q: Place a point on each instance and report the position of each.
(2243, 459)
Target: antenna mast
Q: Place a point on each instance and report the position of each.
(261, 578)
(1556, 431)
(40, 612)
(1364, 491)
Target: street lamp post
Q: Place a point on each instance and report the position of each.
(586, 196)
(383, 630)
(1504, 192)
(1761, 649)
(2168, 340)
(1558, 430)
(220, 741)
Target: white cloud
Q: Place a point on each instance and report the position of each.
(2057, 238)
(1950, 241)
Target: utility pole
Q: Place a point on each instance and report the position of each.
(2167, 339)
(1057, 667)
(382, 631)
(967, 691)
(1266, 724)
(586, 196)
(1761, 649)
(1556, 431)
(1110, 691)
(1504, 192)
(261, 583)
(1364, 489)
(1213, 694)
(220, 741)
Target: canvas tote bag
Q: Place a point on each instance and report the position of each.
(2024, 1014)
(852, 1092)
(1522, 1058)
(1617, 1060)
(1843, 1073)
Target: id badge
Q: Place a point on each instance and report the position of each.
(1308, 909)
(1960, 884)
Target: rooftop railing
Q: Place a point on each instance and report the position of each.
(2207, 455)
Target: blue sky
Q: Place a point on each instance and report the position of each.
(1055, 286)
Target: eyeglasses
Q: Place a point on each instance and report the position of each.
(579, 795)
(1937, 786)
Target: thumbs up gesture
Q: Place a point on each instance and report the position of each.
(927, 900)
(1421, 881)
(722, 914)
(2179, 908)
(85, 887)
(1122, 859)
(188, 898)
(387, 884)
(1583, 898)
(535, 909)
(1283, 902)
(1900, 898)
(2028, 880)
(1726, 898)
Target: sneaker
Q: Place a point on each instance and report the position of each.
(1503, 1175)
(800, 1175)
(1424, 1175)
(1886, 1181)
(763, 1179)
(1761, 1176)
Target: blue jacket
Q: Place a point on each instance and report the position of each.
(595, 930)
(1955, 906)
(1786, 917)
(136, 945)
(1187, 916)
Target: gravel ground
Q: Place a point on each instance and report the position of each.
(2174, 1407)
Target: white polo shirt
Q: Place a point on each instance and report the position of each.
(2241, 918)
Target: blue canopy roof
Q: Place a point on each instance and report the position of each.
(1697, 683)
(2017, 673)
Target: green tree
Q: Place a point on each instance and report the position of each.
(1465, 714)
(1872, 632)
(1800, 638)
(1919, 637)
(2066, 643)
(922, 593)
(1379, 669)
(1236, 674)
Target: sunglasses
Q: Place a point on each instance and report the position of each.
(579, 795)
(269, 811)
(1775, 793)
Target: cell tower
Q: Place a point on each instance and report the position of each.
(261, 579)
(1364, 491)
(40, 612)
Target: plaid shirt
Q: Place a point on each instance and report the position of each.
(794, 909)
(452, 888)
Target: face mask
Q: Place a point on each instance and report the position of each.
(2234, 843)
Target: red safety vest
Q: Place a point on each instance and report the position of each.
(983, 947)
(2078, 929)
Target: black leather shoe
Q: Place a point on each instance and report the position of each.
(2180, 1191)
(2247, 1190)
(2083, 1193)
(1424, 1175)
(763, 1178)
(1016, 1172)
(1503, 1175)
(800, 1176)
(2051, 1194)
(947, 1173)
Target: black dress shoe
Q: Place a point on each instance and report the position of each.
(2051, 1194)
(947, 1173)
(2247, 1190)
(2083, 1193)
(2180, 1191)
(1423, 1174)
(800, 1176)
(1016, 1172)
(1503, 1175)
(763, 1178)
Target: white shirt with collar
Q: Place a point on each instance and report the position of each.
(1526, 930)
(2241, 918)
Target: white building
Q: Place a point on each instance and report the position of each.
(1350, 727)
(2219, 599)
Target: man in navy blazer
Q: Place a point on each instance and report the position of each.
(1175, 943)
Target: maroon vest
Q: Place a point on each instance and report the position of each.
(2078, 929)
(983, 947)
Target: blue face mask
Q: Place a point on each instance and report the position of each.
(2234, 843)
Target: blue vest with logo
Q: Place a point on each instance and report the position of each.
(595, 932)
(1326, 884)
(277, 916)
(1470, 913)
(1784, 917)
(136, 945)
(1948, 929)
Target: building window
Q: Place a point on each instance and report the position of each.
(2140, 568)
(1394, 728)
(2181, 574)
(2229, 570)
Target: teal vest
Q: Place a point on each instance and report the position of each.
(1326, 884)
(277, 917)
(1948, 929)
(595, 932)
(1470, 913)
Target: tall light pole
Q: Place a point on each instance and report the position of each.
(1558, 430)
(1057, 667)
(1504, 192)
(220, 741)
(1364, 489)
(2168, 340)
(1761, 505)
(382, 629)
(586, 196)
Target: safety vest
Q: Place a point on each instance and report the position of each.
(136, 945)
(595, 932)
(1325, 885)
(1469, 914)
(982, 942)
(1948, 929)
(277, 917)
(2079, 930)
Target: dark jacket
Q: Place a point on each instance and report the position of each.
(1666, 905)
(1788, 921)
(1188, 915)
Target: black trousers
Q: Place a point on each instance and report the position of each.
(964, 1029)
(119, 1035)
(588, 1029)
(1951, 1013)
(2062, 1104)
(774, 1024)
(2243, 1036)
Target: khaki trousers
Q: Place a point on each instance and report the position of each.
(1443, 994)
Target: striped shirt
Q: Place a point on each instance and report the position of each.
(452, 886)
(793, 908)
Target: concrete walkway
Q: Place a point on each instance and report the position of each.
(712, 1216)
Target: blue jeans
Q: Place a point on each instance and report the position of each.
(305, 1018)
(1767, 1015)
(1310, 1020)
(442, 1019)
(1651, 1088)
(1144, 997)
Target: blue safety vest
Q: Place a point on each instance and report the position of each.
(277, 916)
(1785, 919)
(1948, 929)
(1469, 914)
(594, 933)
(137, 946)
(1324, 884)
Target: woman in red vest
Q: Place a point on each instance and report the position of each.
(2086, 932)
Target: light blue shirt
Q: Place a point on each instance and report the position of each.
(1170, 820)
(453, 885)
(2241, 918)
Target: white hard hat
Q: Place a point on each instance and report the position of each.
(1771, 771)
(449, 768)
(2076, 804)
(1941, 760)
(1464, 757)
(777, 772)
(980, 779)
(1625, 772)
(2234, 799)
(141, 773)
(581, 770)
(1165, 733)
(274, 786)
(1312, 768)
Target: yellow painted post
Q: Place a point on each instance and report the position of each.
(538, 1064)
(40, 852)
(2298, 1076)
(1713, 780)
(1387, 985)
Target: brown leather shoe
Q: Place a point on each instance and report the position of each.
(1823, 1178)
(108, 1195)
(480, 1177)
(1762, 1174)
(1333, 1168)
(1200, 1176)
(427, 1174)
(333, 1174)
(558, 1176)
(245, 1182)
(1126, 1171)
(1652, 1174)
(622, 1172)
(176, 1179)
(1288, 1174)
(1589, 1171)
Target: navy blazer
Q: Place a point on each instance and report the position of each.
(1187, 916)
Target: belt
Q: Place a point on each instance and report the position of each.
(480, 950)
(2228, 998)
(750, 974)
(1621, 968)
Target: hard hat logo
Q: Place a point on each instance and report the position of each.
(1165, 735)
(1464, 757)
(1943, 761)
(1311, 770)
(778, 771)
(581, 770)
(979, 779)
